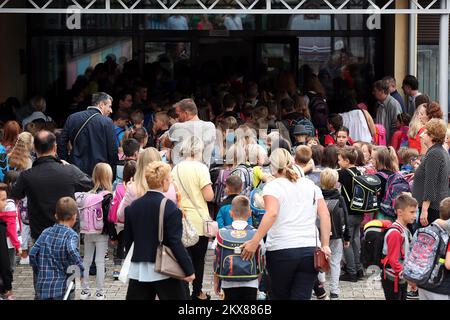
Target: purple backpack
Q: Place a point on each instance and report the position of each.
(90, 206)
(396, 184)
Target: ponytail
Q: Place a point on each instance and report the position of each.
(282, 161)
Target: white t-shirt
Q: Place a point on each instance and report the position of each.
(295, 226)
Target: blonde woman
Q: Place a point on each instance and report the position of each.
(102, 176)
(292, 206)
(416, 128)
(138, 186)
(194, 182)
(142, 223)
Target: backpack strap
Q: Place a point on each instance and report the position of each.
(82, 127)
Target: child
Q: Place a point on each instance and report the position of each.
(343, 138)
(257, 158)
(395, 248)
(300, 135)
(238, 290)
(340, 235)
(102, 179)
(120, 120)
(131, 149)
(346, 159)
(140, 134)
(233, 187)
(13, 225)
(137, 120)
(54, 251)
(6, 275)
(334, 122)
(400, 136)
(128, 172)
(442, 291)
(409, 159)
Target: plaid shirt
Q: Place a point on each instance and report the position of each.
(55, 250)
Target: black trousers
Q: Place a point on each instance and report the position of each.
(169, 289)
(198, 253)
(243, 293)
(388, 288)
(5, 267)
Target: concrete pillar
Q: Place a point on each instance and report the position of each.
(412, 52)
(443, 60)
(401, 42)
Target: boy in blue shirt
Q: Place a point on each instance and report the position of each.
(233, 187)
(54, 251)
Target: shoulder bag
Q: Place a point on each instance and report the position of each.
(210, 227)
(82, 127)
(190, 236)
(166, 263)
(321, 263)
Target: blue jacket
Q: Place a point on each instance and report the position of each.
(95, 143)
(224, 218)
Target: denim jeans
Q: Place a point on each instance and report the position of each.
(352, 253)
(292, 273)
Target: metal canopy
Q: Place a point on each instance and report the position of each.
(220, 7)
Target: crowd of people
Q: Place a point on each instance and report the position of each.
(277, 168)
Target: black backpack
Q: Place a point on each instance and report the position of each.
(363, 197)
(336, 218)
(319, 112)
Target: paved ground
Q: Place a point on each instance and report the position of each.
(367, 289)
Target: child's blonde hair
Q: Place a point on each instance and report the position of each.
(328, 179)
(303, 155)
(102, 176)
(144, 158)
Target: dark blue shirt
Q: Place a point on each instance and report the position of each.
(399, 98)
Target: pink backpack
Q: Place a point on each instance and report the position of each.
(91, 211)
(380, 138)
(118, 196)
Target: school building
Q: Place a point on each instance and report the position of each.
(46, 44)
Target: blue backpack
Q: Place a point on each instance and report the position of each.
(4, 166)
(228, 264)
(396, 184)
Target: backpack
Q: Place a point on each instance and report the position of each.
(228, 264)
(115, 203)
(365, 192)
(337, 218)
(425, 262)
(404, 141)
(246, 174)
(219, 185)
(257, 211)
(4, 166)
(373, 242)
(380, 136)
(395, 185)
(319, 111)
(90, 207)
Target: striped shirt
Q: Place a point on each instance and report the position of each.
(54, 251)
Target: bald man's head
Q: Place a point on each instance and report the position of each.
(44, 142)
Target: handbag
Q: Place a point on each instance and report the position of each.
(190, 236)
(210, 227)
(123, 276)
(166, 263)
(321, 263)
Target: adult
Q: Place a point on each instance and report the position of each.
(317, 103)
(137, 187)
(358, 121)
(46, 182)
(431, 179)
(292, 208)
(392, 83)
(39, 106)
(423, 114)
(190, 125)
(410, 87)
(141, 228)
(125, 101)
(92, 136)
(387, 109)
(193, 180)
(290, 118)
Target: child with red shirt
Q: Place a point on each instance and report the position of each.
(396, 247)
